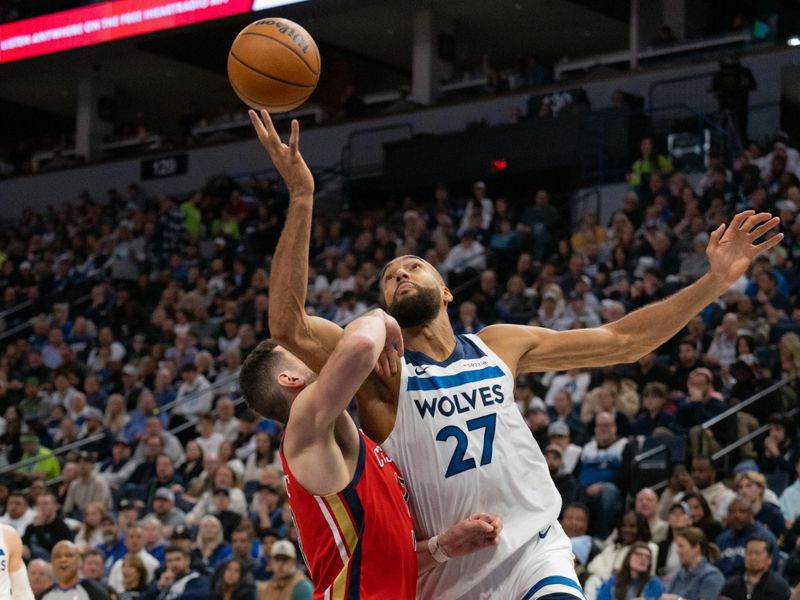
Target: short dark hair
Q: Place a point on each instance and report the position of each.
(256, 380)
(173, 548)
(94, 552)
(768, 543)
(188, 367)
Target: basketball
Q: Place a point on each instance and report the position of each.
(273, 64)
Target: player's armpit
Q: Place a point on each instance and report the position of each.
(527, 349)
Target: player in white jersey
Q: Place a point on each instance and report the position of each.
(14, 584)
(448, 416)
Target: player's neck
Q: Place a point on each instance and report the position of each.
(435, 339)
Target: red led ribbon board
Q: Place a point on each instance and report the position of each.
(105, 22)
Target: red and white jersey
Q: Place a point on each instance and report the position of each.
(358, 543)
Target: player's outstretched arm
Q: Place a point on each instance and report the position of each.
(730, 251)
(477, 531)
(311, 339)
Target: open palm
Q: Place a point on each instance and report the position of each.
(732, 248)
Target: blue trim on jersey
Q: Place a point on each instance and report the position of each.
(465, 349)
(442, 382)
(554, 580)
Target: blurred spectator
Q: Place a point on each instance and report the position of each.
(603, 472)
(757, 582)
(742, 526)
(287, 580)
(634, 577)
(698, 579)
(177, 582)
(47, 527)
(40, 575)
(566, 484)
(649, 162)
(134, 544)
(732, 85)
(751, 485)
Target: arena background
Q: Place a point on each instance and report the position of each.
(139, 216)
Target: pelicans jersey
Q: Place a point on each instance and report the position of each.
(463, 447)
(358, 543)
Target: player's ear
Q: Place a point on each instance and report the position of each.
(291, 379)
(447, 295)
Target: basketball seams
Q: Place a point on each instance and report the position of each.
(288, 47)
(268, 76)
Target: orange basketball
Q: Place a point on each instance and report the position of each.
(273, 64)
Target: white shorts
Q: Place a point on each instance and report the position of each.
(543, 568)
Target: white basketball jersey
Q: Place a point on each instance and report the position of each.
(463, 447)
(5, 580)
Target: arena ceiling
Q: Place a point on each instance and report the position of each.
(166, 71)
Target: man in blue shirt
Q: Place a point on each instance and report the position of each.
(741, 527)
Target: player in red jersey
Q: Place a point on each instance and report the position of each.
(347, 496)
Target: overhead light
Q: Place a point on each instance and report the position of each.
(793, 41)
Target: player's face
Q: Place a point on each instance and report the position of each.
(413, 292)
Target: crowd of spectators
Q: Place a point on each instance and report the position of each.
(118, 377)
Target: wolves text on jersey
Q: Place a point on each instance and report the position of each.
(460, 402)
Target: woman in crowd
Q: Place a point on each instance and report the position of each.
(262, 457)
(236, 583)
(702, 517)
(116, 417)
(780, 451)
(191, 468)
(634, 579)
(698, 579)
(227, 456)
(632, 528)
(678, 519)
(134, 577)
(210, 548)
(90, 535)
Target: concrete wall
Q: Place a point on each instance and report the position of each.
(323, 146)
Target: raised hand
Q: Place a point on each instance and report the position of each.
(287, 159)
(732, 248)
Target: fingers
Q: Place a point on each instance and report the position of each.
(736, 222)
(754, 220)
(274, 139)
(770, 243)
(258, 125)
(294, 138)
(765, 227)
(717, 234)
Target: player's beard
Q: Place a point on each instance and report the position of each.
(416, 309)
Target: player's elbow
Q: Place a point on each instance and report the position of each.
(361, 351)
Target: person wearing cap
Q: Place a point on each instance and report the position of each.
(576, 310)
(565, 483)
(679, 518)
(287, 581)
(753, 485)
(229, 519)
(194, 394)
(119, 466)
(537, 420)
(93, 426)
(166, 512)
(559, 434)
(37, 462)
(88, 487)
